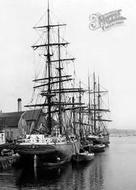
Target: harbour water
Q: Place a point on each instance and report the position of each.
(114, 169)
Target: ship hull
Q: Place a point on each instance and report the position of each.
(103, 140)
(97, 148)
(49, 155)
(83, 157)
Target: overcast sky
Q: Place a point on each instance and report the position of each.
(111, 54)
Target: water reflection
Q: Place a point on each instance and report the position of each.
(89, 177)
(7, 180)
(113, 169)
(70, 177)
(42, 177)
(96, 174)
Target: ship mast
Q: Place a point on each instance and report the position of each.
(99, 104)
(49, 73)
(54, 101)
(73, 112)
(80, 110)
(60, 76)
(89, 106)
(97, 110)
(94, 104)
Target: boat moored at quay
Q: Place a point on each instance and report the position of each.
(51, 137)
(95, 135)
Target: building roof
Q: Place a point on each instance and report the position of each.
(9, 119)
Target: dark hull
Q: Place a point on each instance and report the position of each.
(9, 146)
(34, 149)
(94, 148)
(97, 148)
(49, 155)
(2, 146)
(82, 157)
(104, 140)
(100, 140)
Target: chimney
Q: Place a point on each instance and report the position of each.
(19, 105)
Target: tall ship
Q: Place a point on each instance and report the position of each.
(98, 117)
(49, 134)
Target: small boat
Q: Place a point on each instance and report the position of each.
(7, 152)
(83, 157)
(100, 139)
(91, 146)
(97, 148)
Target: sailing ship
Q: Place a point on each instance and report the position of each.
(99, 134)
(51, 137)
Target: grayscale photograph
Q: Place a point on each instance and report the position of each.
(67, 79)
